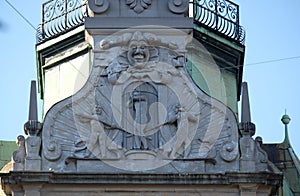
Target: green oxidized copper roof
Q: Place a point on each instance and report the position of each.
(6, 150)
(286, 161)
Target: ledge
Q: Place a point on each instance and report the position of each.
(93, 24)
(15, 177)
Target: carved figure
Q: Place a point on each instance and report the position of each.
(182, 136)
(19, 155)
(113, 71)
(173, 114)
(97, 133)
(141, 49)
(138, 54)
(261, 156)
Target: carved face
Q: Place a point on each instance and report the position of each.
(138, 54)
(20, 140)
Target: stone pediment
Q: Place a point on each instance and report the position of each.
(140, 111)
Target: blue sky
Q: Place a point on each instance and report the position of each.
(272, 34)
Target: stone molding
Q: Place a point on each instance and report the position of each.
(266, 178)
(134, 8)
(51, 183)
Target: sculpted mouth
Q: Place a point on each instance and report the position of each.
(139, 56)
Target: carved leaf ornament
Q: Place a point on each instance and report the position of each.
(138, 5)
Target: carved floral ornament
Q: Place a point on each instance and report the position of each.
(138, 5)
(175, 6)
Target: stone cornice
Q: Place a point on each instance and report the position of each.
(265, 178)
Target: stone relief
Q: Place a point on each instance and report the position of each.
(138, 5)
(97, 145)
(140, 112)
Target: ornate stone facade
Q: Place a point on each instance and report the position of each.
(140, 120)
(140, 112)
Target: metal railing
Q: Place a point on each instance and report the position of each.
(221, 16)
(58, 16)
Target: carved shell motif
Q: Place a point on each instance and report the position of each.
(138, 5)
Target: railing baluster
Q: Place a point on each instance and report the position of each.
(56, 16)
(43, 25)
(65, 13)
(221, 16)
(216, 14)
(206, 13)
(237, 27)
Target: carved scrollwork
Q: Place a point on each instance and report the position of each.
(178, 6)
(229, 151)
(53, 151)
(99, 6)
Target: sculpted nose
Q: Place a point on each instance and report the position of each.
(138, 50)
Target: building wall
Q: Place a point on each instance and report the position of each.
(65, 78)
(218, 83)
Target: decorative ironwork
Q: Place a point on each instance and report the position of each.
(59, 16)
(220, 15)
(62, 15)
